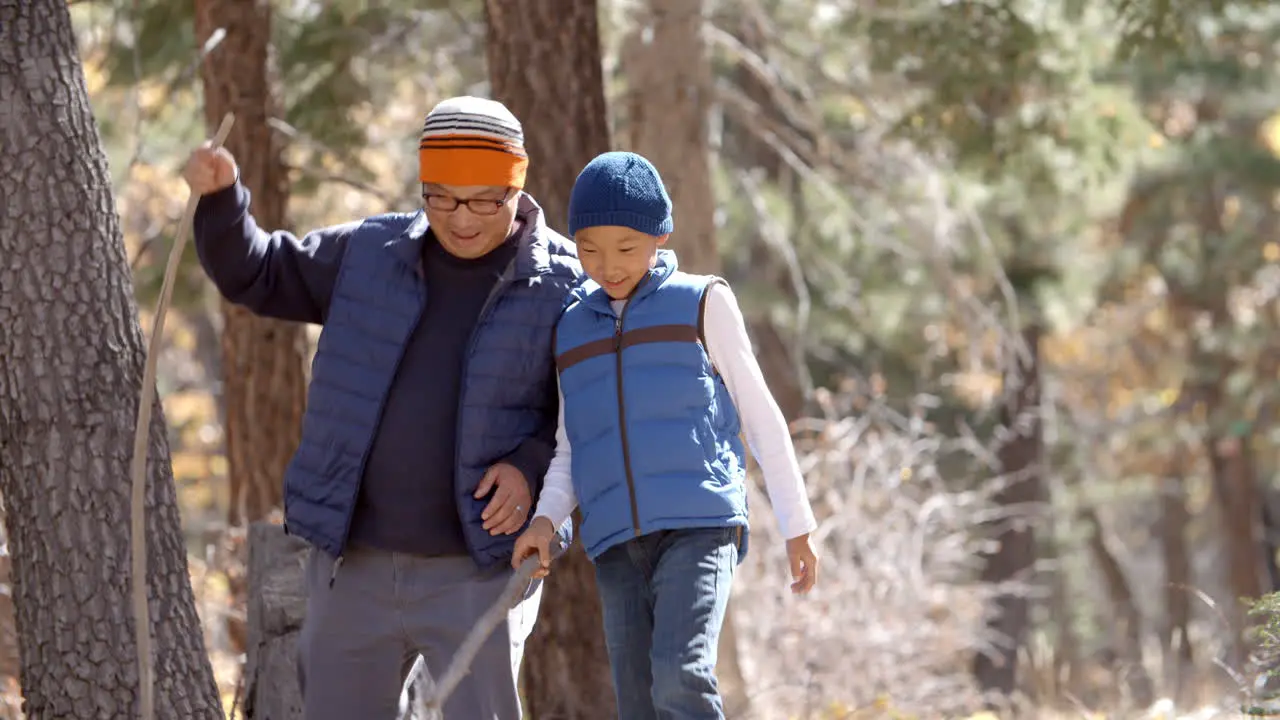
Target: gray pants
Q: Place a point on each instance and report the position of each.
(362, 635)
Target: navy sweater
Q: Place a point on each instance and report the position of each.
(406, 497)
(406, 494)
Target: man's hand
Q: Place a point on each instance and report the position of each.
(506, 512)
(804, 564)
(208, 170)
(537, 539)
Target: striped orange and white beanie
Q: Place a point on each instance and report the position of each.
(472, 141)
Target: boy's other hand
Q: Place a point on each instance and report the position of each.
(208, 170)
(804, 564)
(537, 539)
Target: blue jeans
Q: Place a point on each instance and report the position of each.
(664, 596)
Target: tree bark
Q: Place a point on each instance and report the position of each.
(1175, 642)
(1230, 451)
(1062, 609)
(1127, 622)
(668, 104)
(1235, 487)
(262, 359)
(71, 358)
(277, 607)
(777, 348)
(1232, 464)
(544, 64)
(1271, 538)
(1013, 560)
(778, 364)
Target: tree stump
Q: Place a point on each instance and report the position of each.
(277, 605)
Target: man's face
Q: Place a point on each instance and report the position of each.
(617, 257)
(470, 221)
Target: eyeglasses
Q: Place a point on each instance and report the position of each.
(479, 206)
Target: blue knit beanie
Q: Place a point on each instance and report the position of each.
(620, 188)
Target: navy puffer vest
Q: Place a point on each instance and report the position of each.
(509, 370)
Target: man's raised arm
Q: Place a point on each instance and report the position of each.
(274, 274)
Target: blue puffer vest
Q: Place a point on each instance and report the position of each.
(376, 303)
(653, 430)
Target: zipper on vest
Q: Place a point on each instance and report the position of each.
(622, 421)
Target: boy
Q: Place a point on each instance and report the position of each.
(655, 367)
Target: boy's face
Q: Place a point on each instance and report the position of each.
(474, 227)
(617, 257)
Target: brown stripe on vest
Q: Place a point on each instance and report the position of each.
(630, 338)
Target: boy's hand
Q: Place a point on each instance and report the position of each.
(537, 539)
(804, 564)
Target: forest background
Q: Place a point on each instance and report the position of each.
(1011, 267)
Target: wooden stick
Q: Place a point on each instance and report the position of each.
(432, 699)
(146, 395)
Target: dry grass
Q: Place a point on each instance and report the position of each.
(895, 620)
(893, 628)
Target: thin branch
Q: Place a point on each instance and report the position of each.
(325, 177)
(432, 696)
(296, 135)
(141, 118)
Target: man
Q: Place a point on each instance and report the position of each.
(431, 414)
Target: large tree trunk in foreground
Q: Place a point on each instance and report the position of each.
(71, 357)
(544, 64)
(263, 360)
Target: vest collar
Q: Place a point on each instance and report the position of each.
(533, 256)
(595, 296)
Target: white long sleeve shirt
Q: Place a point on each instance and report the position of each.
(765, 428)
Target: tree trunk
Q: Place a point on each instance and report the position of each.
(1013, 560)
(1235, 486)
(1230, 452)
(1063, 611)
(263, 360)
(1175, 642)
(277, 607)
(669, 75)
(71, 357)
(779, 351)
(778, 364)
(1270, 539)
(1127, 639)
(544, 64)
